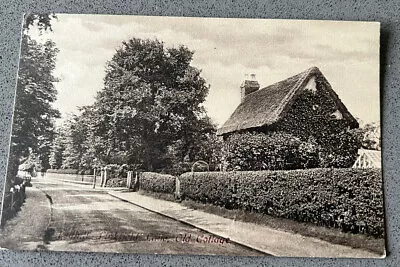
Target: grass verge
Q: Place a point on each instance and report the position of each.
(29, 225)
(335, 236)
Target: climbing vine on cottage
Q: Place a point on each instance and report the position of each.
(314, 115)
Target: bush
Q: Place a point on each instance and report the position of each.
(155, 182)
(87, 172)
(177, 169)
(348, 199)
(272, 151)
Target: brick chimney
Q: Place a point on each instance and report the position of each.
(249, 86)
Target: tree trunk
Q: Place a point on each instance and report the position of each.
(12, 169)
(148, 161)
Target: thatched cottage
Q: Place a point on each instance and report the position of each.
(303, 107)
(262, 109)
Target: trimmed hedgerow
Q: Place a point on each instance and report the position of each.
(348, 199)
(156, 182)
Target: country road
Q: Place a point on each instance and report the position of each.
(71, 217)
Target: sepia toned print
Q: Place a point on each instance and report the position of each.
(213, 136)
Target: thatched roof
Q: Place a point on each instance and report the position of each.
(267, 105)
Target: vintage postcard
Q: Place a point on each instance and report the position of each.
(212, 136)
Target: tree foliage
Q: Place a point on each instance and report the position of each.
(149, 114)
(34, 95)
(151, 101)
(33, 121)
(41, 21)
(32, 129)
(57, 149)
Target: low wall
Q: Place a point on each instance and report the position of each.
(71, 177)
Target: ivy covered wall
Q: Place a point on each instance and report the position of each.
(315, 116)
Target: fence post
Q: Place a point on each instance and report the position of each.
(136, 183)
(177, 188)
(105, 176)
(101, 177)
(129, 179)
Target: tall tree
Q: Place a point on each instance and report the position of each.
(78, 152)
(33, 113)
(57, 148)
(152, 97)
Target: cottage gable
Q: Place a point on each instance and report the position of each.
(269, 105)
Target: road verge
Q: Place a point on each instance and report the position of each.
(26, 230)
(257, 237)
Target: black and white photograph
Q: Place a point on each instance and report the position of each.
(196, 136)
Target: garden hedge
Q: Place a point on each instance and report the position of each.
(348, 199)
(156, 182)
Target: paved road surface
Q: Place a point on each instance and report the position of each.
(83, 219)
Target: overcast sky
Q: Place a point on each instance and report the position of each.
(347, 53)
